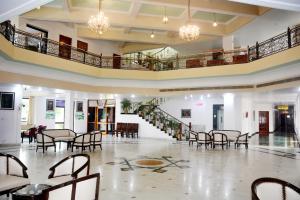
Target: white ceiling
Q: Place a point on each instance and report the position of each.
(11, 8)
(291, 5)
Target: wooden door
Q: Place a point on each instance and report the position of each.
(82, 45)
(263, 122)
(116, 61)
(65, 46)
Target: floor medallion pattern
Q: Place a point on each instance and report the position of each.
(158, 165)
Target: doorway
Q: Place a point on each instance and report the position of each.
(284, 118)
(218, 116)
(263, 122)
(60, 114)
(65, 46)
(116, 61)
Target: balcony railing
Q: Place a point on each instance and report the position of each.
(281, 42)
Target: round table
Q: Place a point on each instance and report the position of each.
(30, 192)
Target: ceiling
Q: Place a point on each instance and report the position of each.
(132, 21)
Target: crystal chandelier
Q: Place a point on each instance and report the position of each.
(99, 23)
(189, 31)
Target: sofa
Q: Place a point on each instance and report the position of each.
(61, 135)
(12, 173)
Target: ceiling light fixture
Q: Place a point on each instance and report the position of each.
(215, 24)
(165, 18)
(189, 31)
(99, 23)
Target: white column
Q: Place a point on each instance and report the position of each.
(232, 112)
(228, 42)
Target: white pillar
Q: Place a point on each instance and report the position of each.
(232, 112)
(228, 42)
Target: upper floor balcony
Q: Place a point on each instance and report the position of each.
(204, 64)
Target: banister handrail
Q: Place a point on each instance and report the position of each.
(278, 43)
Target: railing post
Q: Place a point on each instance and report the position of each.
(190, 126)
(289, 37)
(84, 57)
(179, 137)
(257, 50)
(13, 36)
(248, 49)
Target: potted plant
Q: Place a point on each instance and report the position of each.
(126, 105)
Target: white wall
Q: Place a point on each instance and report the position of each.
(80, 126)
(202, 109)
(10, 120)
(107, 48)
(265, 27)
(40, 112)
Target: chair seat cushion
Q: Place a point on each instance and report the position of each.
(8, 182)
(64, 139)
(58, 180)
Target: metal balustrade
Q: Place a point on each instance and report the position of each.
(281, 42)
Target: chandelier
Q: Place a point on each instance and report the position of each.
(99, 23)
(189, 31)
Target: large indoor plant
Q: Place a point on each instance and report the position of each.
(126, 105)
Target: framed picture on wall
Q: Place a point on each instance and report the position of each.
(7, 100)
(50, 105)
(79, 106)
(185, 113)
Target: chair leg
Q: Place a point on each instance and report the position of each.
(54, 148)
(72, 148)
(90, 148)
(101, 147)
(36, 148)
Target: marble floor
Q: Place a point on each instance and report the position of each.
(176, 171)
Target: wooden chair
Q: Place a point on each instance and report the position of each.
(44, 141)
(30, 134)
(71, 167)
(96, 139)
(220, 139)
(82, 141)
(84, 188)
(12, 174)
(132, 130)
(274, 189)
(204, 138)
(192, 137)
(242, 139)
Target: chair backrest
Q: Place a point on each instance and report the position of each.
(203, 136)
(43, 138)
(192, 135)
(83, 138)
(76, 165)
(275, 189)
(96, 136)
(231, 134)
(219, 137)
(32, 131)
(86, 188)
(41, 128)
(11, 165)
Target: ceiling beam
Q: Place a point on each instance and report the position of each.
(67, 5)
(134, 37)
(135, 8)
(121, 20)
(217, 6)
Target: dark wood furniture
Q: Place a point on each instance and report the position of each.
(262, 191)
(128, 129)
(71, 167)
(86, 188)
(219, 139)
(14, 172)
(82, 141)
(238, 59)
(30, 192)
(30, 134)
(65, 46)
(116, 61)
(96, 139)
(204, 138)
(215, 62)
(44, 141)
(192, 137)
(242, 139)
(193, 63)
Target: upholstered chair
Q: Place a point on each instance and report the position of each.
(275, 189)
(220, 139)
(82, 141)
(204, 138)
(96, 139)
(69, 168)
(242, 139)
(12, 173)
(44, 141)
(192, 137)
(86, 188)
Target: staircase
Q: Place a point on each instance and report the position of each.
(154, 115)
